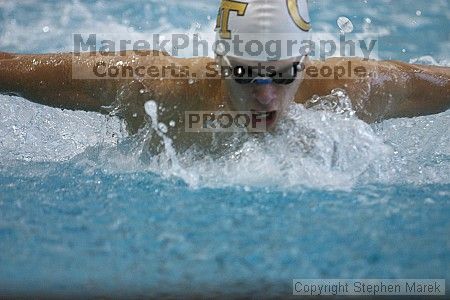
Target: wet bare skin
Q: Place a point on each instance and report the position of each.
(397, 90)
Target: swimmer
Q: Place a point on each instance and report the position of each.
(389, 89)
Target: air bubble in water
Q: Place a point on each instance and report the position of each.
(345, 24)
(45, 29)
(418, 13)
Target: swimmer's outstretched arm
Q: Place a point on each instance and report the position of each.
(50, 79)
(392, 89)
(47, 79)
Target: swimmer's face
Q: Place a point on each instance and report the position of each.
(261, 93)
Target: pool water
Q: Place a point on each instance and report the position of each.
(84, 210)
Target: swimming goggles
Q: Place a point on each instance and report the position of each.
(241, 76)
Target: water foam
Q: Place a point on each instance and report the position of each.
(323, 147)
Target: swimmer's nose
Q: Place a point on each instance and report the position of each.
(264, 94)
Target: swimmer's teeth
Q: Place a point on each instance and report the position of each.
(263, 115)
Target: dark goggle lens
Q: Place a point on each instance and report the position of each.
(285, 79)
(288, 78)
(243, 80)
(240, 76)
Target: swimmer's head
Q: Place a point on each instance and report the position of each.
(259, 45)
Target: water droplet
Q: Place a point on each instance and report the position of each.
(226, 72)
(172, 123)
(220, 49)
(418, 13)
(196, 25)
(345, 24)
(404, 50)
(162, 127)
(151, 108)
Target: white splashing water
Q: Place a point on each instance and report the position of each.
(172, 166)
(324, 147)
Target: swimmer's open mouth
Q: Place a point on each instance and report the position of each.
(267, 117)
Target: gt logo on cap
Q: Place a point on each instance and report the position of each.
(223, 17)
(296, 17)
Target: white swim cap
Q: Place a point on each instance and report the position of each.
(262, 30)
